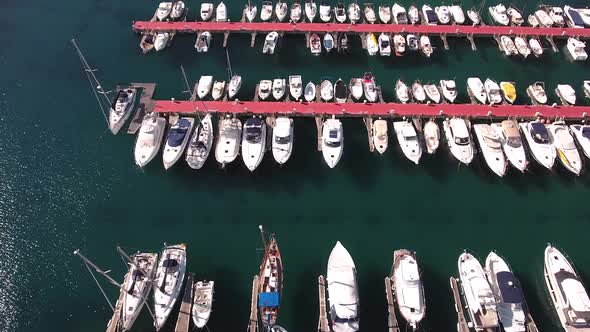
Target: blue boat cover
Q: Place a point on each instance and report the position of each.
(509, 287)
(576, 17)
(268, 299)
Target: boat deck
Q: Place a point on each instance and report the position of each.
(461, 321)
(183, 322)
(146, 105)
(323, 320)
(392, 324)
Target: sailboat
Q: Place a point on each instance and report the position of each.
(200, 144)
(168, 282)
(138, 283)
(149, 138)
(271, 284)
(121, 108)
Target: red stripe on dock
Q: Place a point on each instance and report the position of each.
(377, 109)
(457, 30)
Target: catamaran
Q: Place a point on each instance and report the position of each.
(149, 138)
(332, 141)
(379, 135)
(121, 108)
(409, 290)
(343, 290)
(565, 147)
(228, 143)
(168, 282)
(253, 142)
(177, 140)
(202, 302)
(511, 141)
(200, 144)
(271, 284)
(138, 283)
(539, 143)
(458, 139)
(408, 140)
(282, 139)
(491, 147)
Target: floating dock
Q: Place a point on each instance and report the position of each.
(114, 325)
(392, 324)
(323, 325)
(253, 324)
(461, 322)
(183, 322)
(146, 105)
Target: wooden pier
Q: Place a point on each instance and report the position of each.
(114, 325)
(253, 324)
(392, 324)
(462, 325)
(145, 106)
(183, 322)
(323, 325)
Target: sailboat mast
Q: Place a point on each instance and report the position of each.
(262, 235)
(97, 269)
(228, 65)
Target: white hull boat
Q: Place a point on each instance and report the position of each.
(576, 49)
(566, 93)
(499, 15)
(253, 142)
(582, 135)
(413, 15)
(177, 10)
(281, 10)
(206, 11)
(512, 143)
(379, 134)
(311, 10)
(491, 148)
(266, 11)
(203, 41)
(326, 90)
(340, 13)
(325, 13)
(282, 139)
(342, 290)
(270, 43)
(430, 17)
(493, 92)
(522, 46)
(202, 302)
(399, 14)
(228, 142)
(204, 86)
(384, 45)
(295, 86)
(218, 90)
(566, 149)
(163, 11)
(385, 14)
(161, 41)
(408, 140)
(178, 137)
(402, 92)
(515, 16)
(168, 282)
(234, 86)
(443, 14)
(356, 88)
(332, 141)
(539, 143)
(370, 16)
(369, 87)
(432, 93)
(310, 92)
(295, 14)
(536, 47)
(409, 291)
(431, 136)
(399, 44)
(200, 144)
(457, 14)
(221, 13)
(149, 139)
(449, 90)
(328, 42)
(418, 92)
(264, 89)
(543, 18)
(425, 46)
(250, 12)
(476, 90)
(315, 44)
(537, 93)
(354, 13)
(413, 44)
(508, 46)
(278, 88)
(122, 106)
(459, 140)
(340, 91)
(474, 16)
(372, 44)
(137, 285)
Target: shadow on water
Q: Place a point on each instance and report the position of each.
(436, 290)
(373, 304)
(304, 307)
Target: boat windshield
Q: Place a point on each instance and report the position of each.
(586, 132)
(283, 140)
(539, 133)
(492, 142)
(333, 140)
(461, 140)
(253, 134)
(384, 43)
(514, 142)
(176, 136)
(345, 320)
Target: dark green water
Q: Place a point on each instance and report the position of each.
(66, 184)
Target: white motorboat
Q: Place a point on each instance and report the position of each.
(281, 10)
(491, 148)
(264, 89)
(458, 139)
(149, 138)
(493, 92)
(369, 87)
(177, 10)
(566, 93)
(522, 46)
(234, 86)
(533, 21)
(399, 44)
(311, 10)
(270, 42)
(576, 49)
(432, 93)
(218, 90)
(278, 88)
(418, 92)
(168, 282)
(343, 290)
(508, 46)
(536, 92)
(566, 149)
(325, 13)
(121, 108)
(228, 143)
(295, 86)
(370, 16)
(326, 90)
(203, 41)
(250, 12)
(573, 17)
(515, 16)
(582, 135)
(204, 86)
(163, 11)
(399, 14)
(206, 11)
(328, 42)
(443, 14)
(409, 291)
(137, 286)
(282, 139)
(457, 14)
(221, 13)
(512, 144)
(413, 15)
(543, 18)
(295, 13)
(200, 144)
(266, 11)
(413, 44)
(586, 88)
(161, 41)
(178, 137)
(354, 12)
(340, 91)
(430, 17)
(556, 14)
(379, 135)
(372, 45)
(408, 140)
(449, 90)
(567, 292)
(510, 302)
(310, 92)
(539, 143)
(356, 88)
(425, 46)
(536, 47)
(340, 13)
(474, 16)
(384, 45)
(202, 302)
(476, 90)
(253, 142)
(499, 15)
(431, 136)
(332, 142)
(477, 292)
(402, 92)
(315, 44)
(384, 14)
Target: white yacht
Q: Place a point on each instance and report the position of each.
(443, 14)
(536, 46)
(566, 93)
(566, 149)
(543, 18)
(477, 292)
(457, 14)
(253, 142)
(163, 11)
(431, 136)
(399, 44)
(228, 142)
(266, 11)
(567, 291)
(282, 139)
(221, 13)
(168, 282)
(409, 291)
(458, 139)
(178, 137)
(498, 14)
(200, 144)
(512, 144)
(510, 302)
(425, 46)
(121, 108)
(354, 12)
(556, 14)
(203, 42)
(408, 140)
(234, 86)
(137, 284)
(310, 92)
(281, 10)
(402, 92)
(418, 92)
(474, 16)
(586, 88)
(270, 43)
(311, 10)
(433, 93)
(340, 12)
(413, 44)
(379, 135)
(218, 90)
(384, 45)
(204, 86)
(582, 135)
(278, 88)
(264, 89)
(399, 14)
(295, 14)
(413, 15)
(476, 90)
(372, 44)
(329, 42)
(356, 88)
(576, 49)
(326, 90)
(295, 86)
(343, 290)
(522, 46)
(325, 12)
(149, 139)
(177, 10)
(536, 92)
(370, 16)
(493, 92)
(491, 148)
(515, 16)
(332, 141)
(206, 11)
(250, 12)
(539, 143)
(369, 87)
(384, 14)
(315, 44)
(508, 45)
(429, 15)
(161, 41)
(449, 90)
(573, 17)
(202, 302)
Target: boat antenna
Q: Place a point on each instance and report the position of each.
(188, 90)
(89, 264)
(262, 235)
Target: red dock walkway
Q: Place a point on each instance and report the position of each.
(450, 30)
(369, 109)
